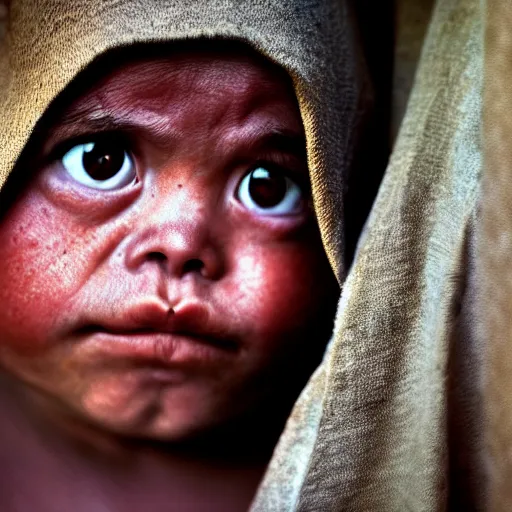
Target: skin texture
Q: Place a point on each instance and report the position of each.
(167, 308)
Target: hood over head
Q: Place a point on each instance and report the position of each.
(49, 45)
(313, 41)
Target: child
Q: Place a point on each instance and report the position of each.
(165, 293)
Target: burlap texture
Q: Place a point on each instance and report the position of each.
(391, 420)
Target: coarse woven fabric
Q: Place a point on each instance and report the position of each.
(495, 253)
(372, 429)
(392, 419)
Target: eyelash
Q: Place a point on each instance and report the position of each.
(277, 162)
(281, 164)
(122, 138)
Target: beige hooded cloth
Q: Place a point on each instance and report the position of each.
(313, 41)
(381, 425)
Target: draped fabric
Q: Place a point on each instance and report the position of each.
(391, 420)
(495, 253)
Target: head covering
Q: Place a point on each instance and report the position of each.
(370, 430)
(48, 43)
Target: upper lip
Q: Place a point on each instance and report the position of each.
(189, 319)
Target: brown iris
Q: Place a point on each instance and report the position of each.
(267, 189)
(103, 161)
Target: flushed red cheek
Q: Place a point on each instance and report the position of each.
(282, 289)
(41, 270)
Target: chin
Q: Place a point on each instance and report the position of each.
(153, 414)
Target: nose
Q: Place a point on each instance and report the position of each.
(176, 235)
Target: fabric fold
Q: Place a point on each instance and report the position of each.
(380, 441)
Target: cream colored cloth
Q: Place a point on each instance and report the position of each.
(372, 428)
(391, 420)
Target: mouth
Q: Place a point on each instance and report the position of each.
(148, 333)
(168, 348)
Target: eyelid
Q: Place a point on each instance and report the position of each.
(58, 151)
(285, 167)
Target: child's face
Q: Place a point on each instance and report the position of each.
(162, 271)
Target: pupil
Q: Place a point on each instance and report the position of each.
(102, 162)
(267, 189)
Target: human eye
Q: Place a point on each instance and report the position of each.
(102, 164)
(270, 192)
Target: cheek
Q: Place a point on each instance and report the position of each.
(42, 254)
(283, 290)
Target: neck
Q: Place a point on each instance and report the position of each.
(227, 464)
(247, 441)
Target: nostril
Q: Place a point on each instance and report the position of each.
(190, 265)
(157, 256)
(193, 265)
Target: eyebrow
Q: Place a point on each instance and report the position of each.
(263, 138)
(282, 141)
(96, 120)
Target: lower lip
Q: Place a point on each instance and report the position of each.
(163, 348)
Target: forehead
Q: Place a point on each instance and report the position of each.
(203, 88)
(237, 73)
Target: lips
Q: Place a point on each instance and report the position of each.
(152, 331)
